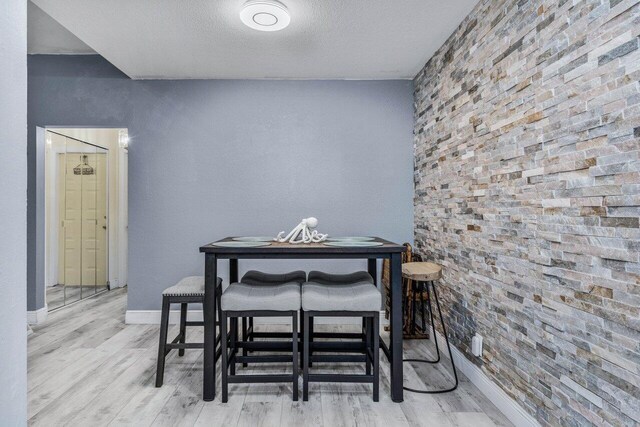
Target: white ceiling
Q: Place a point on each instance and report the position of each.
(46, 35)
(201, 39)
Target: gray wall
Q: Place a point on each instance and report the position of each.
(13, 227)
(213, 158)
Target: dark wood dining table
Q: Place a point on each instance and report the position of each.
(277, 250)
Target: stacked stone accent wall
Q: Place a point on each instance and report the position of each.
(527, 191)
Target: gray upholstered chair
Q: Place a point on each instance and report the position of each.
(328, 296)
(245, 300)
(187, 291)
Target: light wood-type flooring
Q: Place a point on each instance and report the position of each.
(87, 368)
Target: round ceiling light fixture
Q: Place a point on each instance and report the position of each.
(265, 15)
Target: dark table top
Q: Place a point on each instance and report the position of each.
(277, 248)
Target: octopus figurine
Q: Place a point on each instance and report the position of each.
(303, 233)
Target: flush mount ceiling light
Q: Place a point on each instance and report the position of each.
(265, 15)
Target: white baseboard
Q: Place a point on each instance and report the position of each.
(509, 407)
(116, 283)
(36, 317)
(152, 317)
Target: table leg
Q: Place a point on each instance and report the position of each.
(233, 270)
(372, 268)
(209, 314)
(233, 278)
(396, 328)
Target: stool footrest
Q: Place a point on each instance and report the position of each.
(264, 345)
(325, 347)
(246, 379)
(337, 346)
(270, 334)
(172, 346)
(194, 323)
(334, 335)
(340, 378)
(325, 358)
(339, 335)
(276, 358)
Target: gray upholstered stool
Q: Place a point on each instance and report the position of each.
(360, 299)
(187, 291)
(258, 278)
(244, 300)
(337, 280)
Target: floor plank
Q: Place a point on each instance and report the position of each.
(295, 414)
(86, 367)
(143, 408)
(185, 403)
(260, 414)
(71, 404)
(104, 407)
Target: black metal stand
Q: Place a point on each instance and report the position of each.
(435, 339)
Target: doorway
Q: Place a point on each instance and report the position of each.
(84, 215)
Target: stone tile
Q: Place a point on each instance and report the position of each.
(527, 191)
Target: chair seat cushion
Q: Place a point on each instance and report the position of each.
(244, 297)
(188, 287)
(254, 277)
(340, 279)
(361, 296)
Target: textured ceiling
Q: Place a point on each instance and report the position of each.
(328, 39)
(45, 35)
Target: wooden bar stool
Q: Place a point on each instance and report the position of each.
(414, 299)
(426, 274)
(189, 290)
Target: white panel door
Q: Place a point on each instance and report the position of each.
(84, 225)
